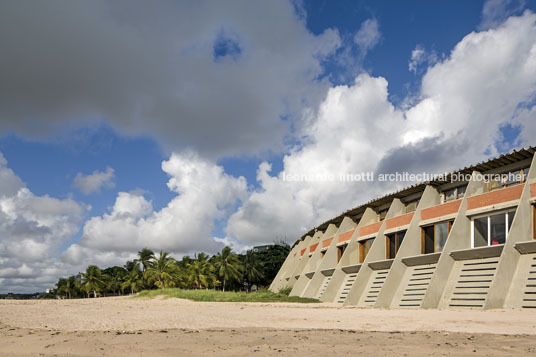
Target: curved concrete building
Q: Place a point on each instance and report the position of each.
(439, 244)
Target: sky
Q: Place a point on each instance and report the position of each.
(175, 126)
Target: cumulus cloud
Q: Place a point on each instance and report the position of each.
(495, 12)
(205, 194)
(95, 181)
(488, 81)
(215, 76)
(420, 57)
(32, 230)
(368, 35)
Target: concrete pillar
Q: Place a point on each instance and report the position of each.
(459, 238)
(411, 245)
(377, 252)
(349, 258)
(329, 261)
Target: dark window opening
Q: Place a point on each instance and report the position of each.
(393, 243)
(364, 248)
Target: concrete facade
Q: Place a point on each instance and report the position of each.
(464, 243)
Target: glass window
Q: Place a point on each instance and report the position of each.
(435, 236)
(383, 214)
(429, 244)
(394, 241)
(497, 229)
(340, 251)
(480, 232)
(460, 191)
(525, 174)
(493, 229)
(441, 235)
(510, 218)
(450, 194)
(534, 221)
(411, 206)
(391, 246)
(364, 248)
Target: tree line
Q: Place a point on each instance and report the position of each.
(225, 270)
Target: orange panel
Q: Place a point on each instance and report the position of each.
(303, 251)
(533, 190)
(313, 247)
(295, 253)
(399, 221)
(495, 197)
(371, 228)
(345, 236)
(441, 210)
(327, 242)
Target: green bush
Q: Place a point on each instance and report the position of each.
(262, 295)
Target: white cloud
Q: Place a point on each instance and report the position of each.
(420, 57)
(495, 12)
(204, 194)
(368, 35)
(95, 181)
(32, 230)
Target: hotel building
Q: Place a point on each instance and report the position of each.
(467, 243)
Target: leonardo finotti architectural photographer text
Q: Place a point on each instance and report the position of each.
(400, 177)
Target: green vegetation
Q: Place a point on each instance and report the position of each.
(221, 296)
(224, 271)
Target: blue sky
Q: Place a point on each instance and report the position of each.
(220, 102)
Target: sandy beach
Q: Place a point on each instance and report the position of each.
(165, 327)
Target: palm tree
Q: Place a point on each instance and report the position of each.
(93, 279)
(227, 266)
(145, 257)
(200, 273)
(252, 268)
(133, 281)
(161, 271)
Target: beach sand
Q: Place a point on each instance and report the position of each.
(171, 327)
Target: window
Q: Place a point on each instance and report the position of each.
(533, 221)
(322, 254)
(434, 237)
(453, 194)
(364, 248)
(491, 230)
(382, 214)
(507, 179)
(393, 243)
(340, 251)
(412, 206)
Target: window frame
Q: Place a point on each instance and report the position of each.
(488, 216)
(340, 251)
(504, 183)
(457, 194)
(361, 257)
(534, 221)
(423, 237)
(397, 243)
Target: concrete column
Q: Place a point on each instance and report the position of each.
(459, 238)
(350, 256)
(329, 261)
(304, 267)
(411, 245)
(377, 252)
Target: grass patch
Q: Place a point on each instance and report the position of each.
(220, 296)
